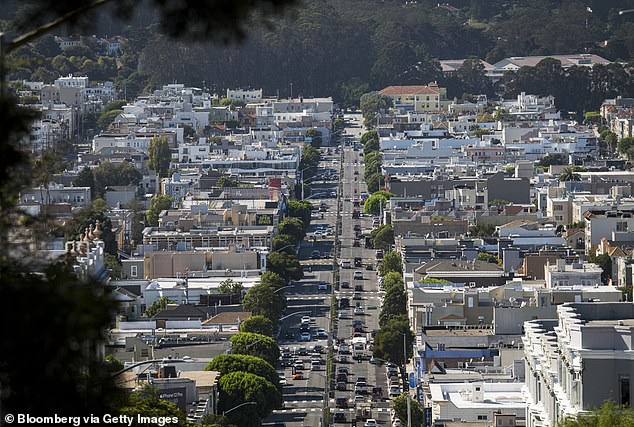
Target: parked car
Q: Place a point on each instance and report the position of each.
(395, 391)
(322, 286)
(305, 336)
(341, 402)
(340, 417)
(315, 254)
(358, 310)
(370, 422)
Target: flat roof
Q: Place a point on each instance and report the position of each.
(502, 395)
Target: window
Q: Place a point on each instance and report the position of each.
(624, 388)
(482, 417)
(558, 208)
(133, 271)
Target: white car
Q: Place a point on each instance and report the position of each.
(283, 381)
(370, 422)
(358, 275)
(358, 310)
(395, 391)
(305, 320)
(305, 336)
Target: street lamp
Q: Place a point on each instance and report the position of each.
(283, 287)
(623, 12)
(236, 407)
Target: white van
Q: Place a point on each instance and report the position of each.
(346, 263)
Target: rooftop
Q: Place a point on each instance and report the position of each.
(409, 90)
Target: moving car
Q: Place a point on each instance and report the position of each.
(341, 402)
(315, 254)
(305, 336)
(395, 391)
(370, 422)
(358, 275)
(340, 417)
(358, 310)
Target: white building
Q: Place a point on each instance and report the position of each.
(245, 95)
(576, 274)
(578, 361)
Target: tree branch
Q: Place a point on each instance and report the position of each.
(33, 34)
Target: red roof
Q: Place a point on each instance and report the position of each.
(409, 90)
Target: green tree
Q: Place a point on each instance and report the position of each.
(592, 117)
(114, 174)
(227, 363)
(482, 230)
(388, 343)
(310, 160)
(392, 279)
(485, 256)
(624, 145)
(370, 141)
(392, 262)
(240, 387)
(399, 404)
(263, 300)
(273, 280)
(257, 324)
(113, 364)
(106, 118)
(607, 415)
(113, 265)
(371, 104)
(373, 182)
(157, 306)
(301, 210)
(147, 403)
(383, 237)
(85, 178)
(603, 261)
(285, 265)
(284, 243)
(552, 159)
(394, 305)
(227, 182)
(256, 345)
(229, 286)
(374, 203)
(86, 217)
(569, 174)
(315, 137)
(434, 281)
(159, 155)
(293, 227)
(158, 204)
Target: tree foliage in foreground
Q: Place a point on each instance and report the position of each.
(256, 345)
(607, 415)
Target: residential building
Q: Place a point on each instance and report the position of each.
(578, 361)
(430, 98)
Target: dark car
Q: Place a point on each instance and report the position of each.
(341, 402)
(345, 285)
(357, 262)
(340, 417)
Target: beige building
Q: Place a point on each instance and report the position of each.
(430, 98)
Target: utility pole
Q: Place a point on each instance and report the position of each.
(409, 404)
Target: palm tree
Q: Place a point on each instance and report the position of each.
(569, 174)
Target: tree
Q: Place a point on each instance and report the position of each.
(114, 174)
(482, 230)
(85, 178)
(383, 237)
(310, 160)
(399, 404)
(261, 299)
(373, 182)
(392, 279)
(113, 266)
(285, 265)
(434, 281)
(240, 387)
(315, 137)
(257, 324)
(273, 280)
(552, 159)
(159, 155)
(227, 363)
(148, 403)
(392, 262)
(228, 286)
(371, 104)
(284, 243)
(388, 343)
(158, 204)
(301, 210)
(624, 145)
(157, 306)
(394, 305)
(374, 203)
(255, 345)
(293, 227)
(592, 117)
(86, 217)
(604, 261)
(607, 415)
(227, 182)
(113, 364)
(569, 174)
(370, 141)
(106, 118)
(485, 256)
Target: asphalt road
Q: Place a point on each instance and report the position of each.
(304, 399)
(353, 186)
